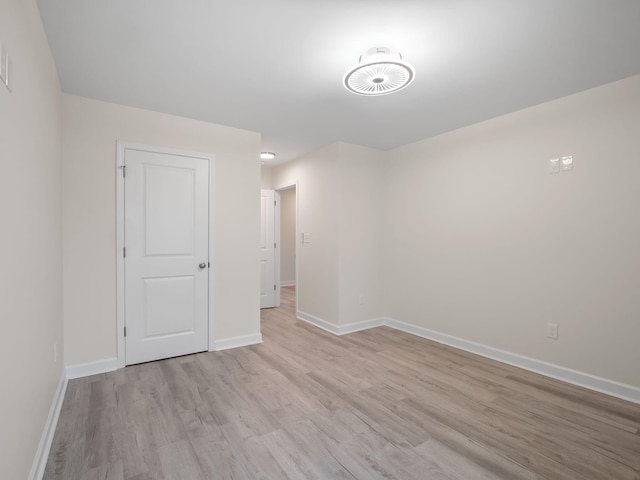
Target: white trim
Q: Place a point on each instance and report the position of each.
(212, 251)
(574, 377)
(288, 283)
(42, 453)
(120, 237)
(296, 262)
(359, 326)
(318, 322)
(242, 341)
(92, 368)
(120, 147)
(340, 329)
(276, 240)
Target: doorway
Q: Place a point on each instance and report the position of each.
(288, 237)
(287, 232)
(278, 245)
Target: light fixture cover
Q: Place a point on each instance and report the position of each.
(379, 72)
(267, 155)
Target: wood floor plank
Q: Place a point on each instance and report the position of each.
(452, 463)
(305, 404)
(110, 471)
(179, 460)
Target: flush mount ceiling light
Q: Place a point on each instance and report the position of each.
(267, 156)
(379, 72)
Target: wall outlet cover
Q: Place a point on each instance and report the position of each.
(566, 163)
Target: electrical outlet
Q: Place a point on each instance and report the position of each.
(562, 164)
(552, 331)
(566, 163)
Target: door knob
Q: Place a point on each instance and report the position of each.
(202, 265)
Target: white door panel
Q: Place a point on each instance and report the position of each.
(166, 241)
(267, 249)
(169, 306)
(169, 219)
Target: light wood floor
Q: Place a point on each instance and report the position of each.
(305, 404)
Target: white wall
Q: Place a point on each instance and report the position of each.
(338, 204)
(360, 234)
(466, 234)
(265, 177)
(483, 244)
(288, 236)
(30, 244)
(317, 179)
(91, 129)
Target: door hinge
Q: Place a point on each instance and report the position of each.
(124, 170)
(274, 244)
(124, 252)
(125, 331)
(274, 203)
(274, 286)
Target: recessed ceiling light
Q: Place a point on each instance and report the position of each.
(379, 72)
(267, 155)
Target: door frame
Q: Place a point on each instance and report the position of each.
(286, 186)
(121, 147)
(276, 239)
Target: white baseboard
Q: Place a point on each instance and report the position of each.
(92, 368)
(242, 341)
(581, 379)
(288, 283)
(42, 453)
(111, 364)
(359, 326)
(318, 322)
(340, 329)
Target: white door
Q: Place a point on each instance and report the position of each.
(268, 285)
(166, 222)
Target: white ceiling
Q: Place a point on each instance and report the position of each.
(276, 66)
